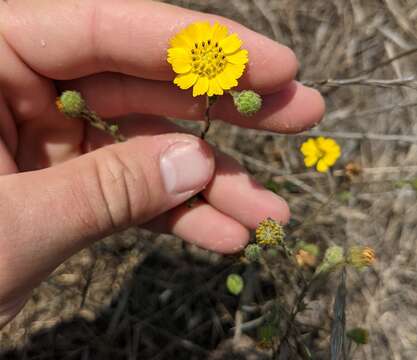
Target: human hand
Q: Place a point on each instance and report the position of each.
(64, 185)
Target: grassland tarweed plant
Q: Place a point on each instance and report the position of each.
(209, 60)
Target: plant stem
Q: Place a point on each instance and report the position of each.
(95, 121)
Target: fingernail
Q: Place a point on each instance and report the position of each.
(184, 168)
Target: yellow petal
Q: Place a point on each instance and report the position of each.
(218, 32)
(181, 40)
(238, 58)
(235, 70)
(309, 148)
(309, 161)
(180, 59)
(230, 44)
(330, 159)
(198, 31)
(185, 81)
(320, 141)
(226, 80)
(214, 88)
(322, 166)
(181, 67)
(179, 53)
(201, 86)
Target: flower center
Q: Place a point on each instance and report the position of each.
(320, 153)
(208, 59)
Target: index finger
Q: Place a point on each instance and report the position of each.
(74, 38)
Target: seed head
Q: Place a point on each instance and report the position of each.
(269, 232)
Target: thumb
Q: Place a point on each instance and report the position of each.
(47, 215)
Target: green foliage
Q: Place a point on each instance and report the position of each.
(235, 284)
(359, 335)
(344, 196)
(273, 186)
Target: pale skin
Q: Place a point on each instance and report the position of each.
(64, 185)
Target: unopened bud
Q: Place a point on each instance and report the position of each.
(253, 252)
(247, 102)
(71, 103)
(333, 257)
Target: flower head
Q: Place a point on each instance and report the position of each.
(269, 232)
(306, 254)
(333, 258)
(207, 58)
(322, 152)
(361, 257)
(247, 102)
(253, 252)
(71, 103)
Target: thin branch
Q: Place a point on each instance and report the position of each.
(410, 170)
(337, 340)
(363, 136)
(350, 135)
(362, 80)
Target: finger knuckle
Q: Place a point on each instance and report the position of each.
(123, 188)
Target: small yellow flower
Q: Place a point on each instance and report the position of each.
(269, 232)
(208, 58)
(322, 152)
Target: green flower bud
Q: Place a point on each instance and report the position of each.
(333, 257)
(359, 335)
(253, 252)
(71, 103)
(247, 102)
(234, 284)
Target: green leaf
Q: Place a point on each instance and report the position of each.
(234, 284)
(272, 186)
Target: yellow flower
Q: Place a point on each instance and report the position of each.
(321, 151)
(207, 57)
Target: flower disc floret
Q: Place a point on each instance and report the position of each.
(322, 152)
(207, 58)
